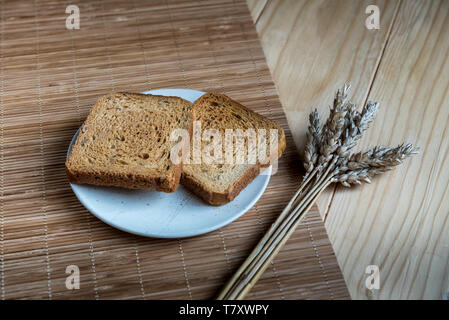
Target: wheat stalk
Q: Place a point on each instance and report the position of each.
(327, 160)
(334, 126)
(313, 142)
(357, 124)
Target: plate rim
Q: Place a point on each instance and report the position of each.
(170, 235)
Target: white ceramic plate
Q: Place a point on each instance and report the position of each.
(165, 215)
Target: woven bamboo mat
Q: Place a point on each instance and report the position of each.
(49, 79)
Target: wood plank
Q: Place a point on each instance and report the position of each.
(400, 222)
(256, 7)
(313, 48)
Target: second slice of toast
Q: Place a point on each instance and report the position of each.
(219, 183)
(125, 142)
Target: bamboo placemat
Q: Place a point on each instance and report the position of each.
(49, 79)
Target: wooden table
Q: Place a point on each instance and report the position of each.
(400, 222)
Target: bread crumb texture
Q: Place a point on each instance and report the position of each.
(220, 183)
(125, 142)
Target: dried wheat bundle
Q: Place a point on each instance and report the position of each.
(327, 159)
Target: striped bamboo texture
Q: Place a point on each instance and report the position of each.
(49, 79)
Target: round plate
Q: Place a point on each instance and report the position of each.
(165, 215)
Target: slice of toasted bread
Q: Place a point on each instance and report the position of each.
(220, 183)
(125, 142)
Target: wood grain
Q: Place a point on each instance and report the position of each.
(256, 8)
(399, 223)
(313, 48)
(49, 79)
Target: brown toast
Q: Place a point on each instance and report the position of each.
(125, 142)
(220, 183)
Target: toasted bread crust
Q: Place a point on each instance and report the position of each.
(114, 179)
(219, 198)
(105, 177)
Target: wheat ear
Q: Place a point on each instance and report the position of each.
(327, 159)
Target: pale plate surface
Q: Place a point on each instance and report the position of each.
(165, 215)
